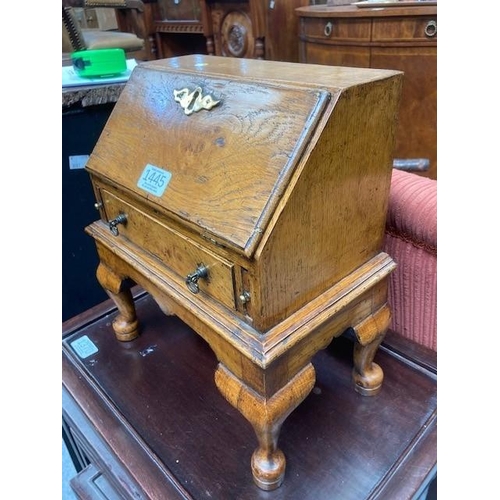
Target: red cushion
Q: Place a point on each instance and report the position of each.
(411, 240)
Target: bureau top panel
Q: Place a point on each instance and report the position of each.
(221, 168)
(214, 142)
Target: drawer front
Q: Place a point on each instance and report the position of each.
(176, 251)
(336, 30)
(177, 10)
(412, 29)
(332, 55)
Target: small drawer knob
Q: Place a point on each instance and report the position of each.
(328, 28)
(113, 224)
(192, 279)
(244, 297)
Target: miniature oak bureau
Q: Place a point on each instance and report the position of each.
(249, 199)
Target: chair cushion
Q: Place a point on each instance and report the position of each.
(98, 39)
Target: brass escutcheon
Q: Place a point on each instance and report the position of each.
(194, 101)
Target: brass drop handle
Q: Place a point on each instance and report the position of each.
(113, 224)
(192, 279)
(328, 29)
(431, 29)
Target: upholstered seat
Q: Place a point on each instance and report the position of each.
(98, 39)
(411, 240)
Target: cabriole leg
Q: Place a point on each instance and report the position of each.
(367, 375)
(266, 416)
(125, 324)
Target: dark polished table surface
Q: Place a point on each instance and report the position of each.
(149, 422)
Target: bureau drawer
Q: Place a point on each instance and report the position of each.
(411, 29)
(175, 250)
(335, 30)
(175, 10)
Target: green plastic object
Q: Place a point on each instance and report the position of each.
(99, 63)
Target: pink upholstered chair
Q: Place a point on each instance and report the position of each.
(411, 240)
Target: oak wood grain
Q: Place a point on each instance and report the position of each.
(266, 236)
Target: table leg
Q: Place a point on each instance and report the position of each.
(266, 414)
(367, 375)
(125, 324)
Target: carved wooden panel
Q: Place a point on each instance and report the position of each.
(234, 29)
(236, 35)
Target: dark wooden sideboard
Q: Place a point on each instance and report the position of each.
(143, 420)
(259, 29)
(402, 38)
(179, 30)
(245, 28)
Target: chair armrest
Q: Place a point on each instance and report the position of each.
(412, 211)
